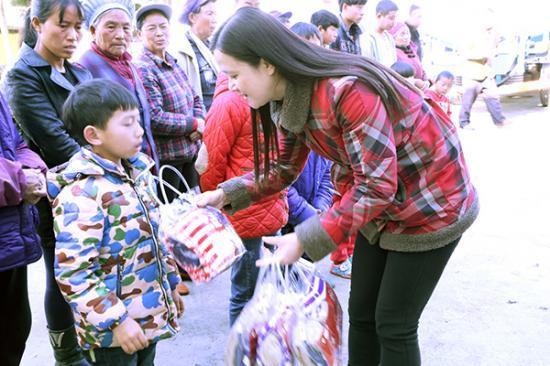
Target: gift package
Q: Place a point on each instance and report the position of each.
(294, 318)
(201, 239)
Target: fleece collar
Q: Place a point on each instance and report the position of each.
(293, 114)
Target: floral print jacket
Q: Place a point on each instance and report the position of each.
(109, 264)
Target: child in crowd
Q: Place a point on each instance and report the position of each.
(328, 25)
(117, 277)
(404, 69)
(308, 32)
(379, 45)
(438, 92)
(351, 14)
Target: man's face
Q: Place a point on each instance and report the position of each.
(386, 22)
(353, 13)
(329, 35)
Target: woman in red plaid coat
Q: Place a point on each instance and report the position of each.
(397, 163)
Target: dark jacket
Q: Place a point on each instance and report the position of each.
(312, 190)
(101, 69)
(19, 242)
(36, 92)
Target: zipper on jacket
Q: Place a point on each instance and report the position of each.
(119, 269)
(157, 247)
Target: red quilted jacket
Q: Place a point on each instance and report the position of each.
(227, 152)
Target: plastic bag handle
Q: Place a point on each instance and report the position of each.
(163, 183)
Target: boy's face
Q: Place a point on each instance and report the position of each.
(121, 138)
(443, 85)
(386, 22)
(353, 13)
(329, 35)
(316, 41)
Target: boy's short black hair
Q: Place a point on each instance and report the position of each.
(384, 7)
(351, 2)
(306, 30)
(93, 103)
(324, 19)
(445, 74)
(402, 68)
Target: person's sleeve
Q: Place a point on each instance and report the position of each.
(37, 117)
(367, 47)
(163, 122)
(12, 183)
(224, 123)
(79, 224)
(242, 191)
(370, 148)
(323, 198)
(27, 157)
(299, 208)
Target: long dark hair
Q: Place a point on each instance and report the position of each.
(252, 35)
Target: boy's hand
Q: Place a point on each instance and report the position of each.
(179, 303)
(130, 336)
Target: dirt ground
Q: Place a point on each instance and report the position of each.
(492, 305)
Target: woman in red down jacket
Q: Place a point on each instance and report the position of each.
(228, 152)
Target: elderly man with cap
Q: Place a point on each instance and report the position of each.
(193, 52)
(110, 24)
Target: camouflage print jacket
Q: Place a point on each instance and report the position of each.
(109, 264)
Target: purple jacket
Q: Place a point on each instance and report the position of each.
(312, 190)
(19, 242)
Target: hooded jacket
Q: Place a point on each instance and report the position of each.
(109, 264)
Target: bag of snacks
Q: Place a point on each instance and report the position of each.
(202, 240)
(294, 318)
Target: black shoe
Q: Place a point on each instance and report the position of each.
(66, 350)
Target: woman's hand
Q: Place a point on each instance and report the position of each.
(216, 198)
(288, 251)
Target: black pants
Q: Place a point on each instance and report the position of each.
(15, 311)
(389, 291)
(59, 315)
(117, 357)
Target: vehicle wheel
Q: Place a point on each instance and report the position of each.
(544, 97)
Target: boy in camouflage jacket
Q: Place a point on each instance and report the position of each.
(117, 277)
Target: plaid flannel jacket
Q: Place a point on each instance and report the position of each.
(174, 106)
(403, 183)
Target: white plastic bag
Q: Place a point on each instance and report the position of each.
(294, 318)
(202, 240)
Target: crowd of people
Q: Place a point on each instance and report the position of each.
(314, 138)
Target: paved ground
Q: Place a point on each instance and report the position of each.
(492, 306)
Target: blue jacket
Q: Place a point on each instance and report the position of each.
(312, 190)
(19, 242)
